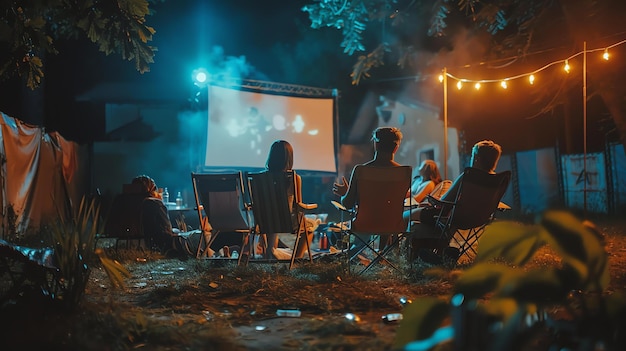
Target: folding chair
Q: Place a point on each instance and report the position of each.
(461, 222)
(226, 210)
(378, 212)
(276, 209)
(123, 221)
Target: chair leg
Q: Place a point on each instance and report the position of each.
(380, 255)
(247, 250)
(301, 231)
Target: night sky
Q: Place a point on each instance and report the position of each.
(266, 40)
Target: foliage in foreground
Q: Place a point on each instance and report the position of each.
(29, 29)
(497, 304)
(74, 239)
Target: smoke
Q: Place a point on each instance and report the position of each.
(223, 68)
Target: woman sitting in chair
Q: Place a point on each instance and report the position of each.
(425, 182)
(280, 159)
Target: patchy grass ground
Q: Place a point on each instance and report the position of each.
(169, 304)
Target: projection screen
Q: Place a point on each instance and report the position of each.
(243, 124)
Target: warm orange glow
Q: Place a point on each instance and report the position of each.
(566, 67)
(459, 85)
(531, 79)
(503, 84)
(477, 86)
(441, 78)
(606, 54)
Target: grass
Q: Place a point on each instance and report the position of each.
(170, 304)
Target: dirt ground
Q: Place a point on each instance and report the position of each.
(171, 304)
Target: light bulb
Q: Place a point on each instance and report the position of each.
(477, 86)
(440, 78)
(459, 85)
(531, 79)
(606, 54)
(566, 67)
(503, 84)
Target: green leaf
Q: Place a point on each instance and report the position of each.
(483, 278)
(579, 246)
(115, 271)
(511, 241)
(538, 286)
(420, 319)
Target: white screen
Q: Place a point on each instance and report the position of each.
(242, 126)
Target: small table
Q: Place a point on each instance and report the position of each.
(177, 216)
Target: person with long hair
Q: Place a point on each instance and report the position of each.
(280, 159)
(426, 181)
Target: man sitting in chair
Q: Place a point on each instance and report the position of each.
(386, 142)
(485, 156)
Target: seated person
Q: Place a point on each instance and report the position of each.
(386, 142)
(156, 226)
(280, 159)
(425, 182)
(485, 156)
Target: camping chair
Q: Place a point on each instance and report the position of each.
(123, 221)
(276, 209)
(379, 212)
(222, 197)
(461, 222)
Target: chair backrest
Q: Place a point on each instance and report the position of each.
(478, 197)
(273, 201)
(380, 199)
(223, 198)
(124, 218)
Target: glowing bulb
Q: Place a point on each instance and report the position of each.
(566, 67)
(477, 86)
(440, 78)
(606, 54)
(459, 85)
(531, 79)
(503, 84)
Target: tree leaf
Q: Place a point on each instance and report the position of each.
(511, 241)
(483, 278)
(579, 247)
(538, 286)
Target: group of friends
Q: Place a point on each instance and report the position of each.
(386, 141)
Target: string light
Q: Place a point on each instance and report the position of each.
(531, 76)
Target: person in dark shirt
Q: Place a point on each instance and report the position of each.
(155, 222)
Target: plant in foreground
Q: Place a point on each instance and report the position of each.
(498, 304)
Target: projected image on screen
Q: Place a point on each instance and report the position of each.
(243, 124)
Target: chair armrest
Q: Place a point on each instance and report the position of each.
(304, 206)
(503, 207)
(438, 202)
(341, 207)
